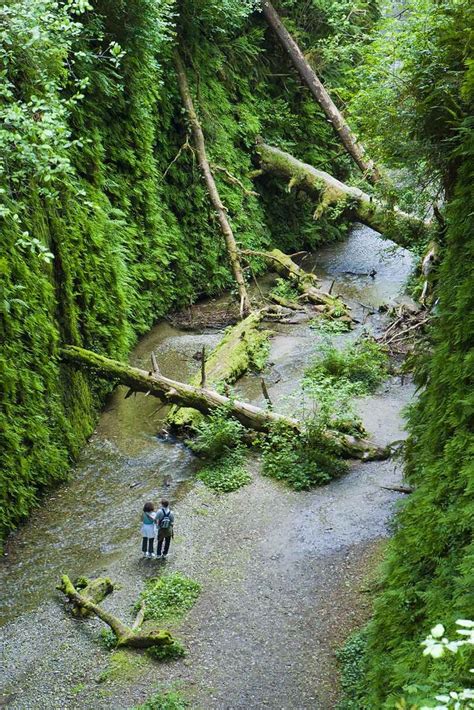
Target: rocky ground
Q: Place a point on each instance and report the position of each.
(284, 583)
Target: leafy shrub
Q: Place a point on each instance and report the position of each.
(164, 700)
(169, 597)
(217, 434)
(108, 638)
(352, 660)
(329, 326)
(226, 474)
(301, 461)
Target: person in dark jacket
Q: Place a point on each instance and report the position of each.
(164, 522)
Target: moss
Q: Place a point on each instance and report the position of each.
(124, 666)
(244, 347)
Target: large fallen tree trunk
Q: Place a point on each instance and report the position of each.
(207, 401)
(174, 392)
(308, 75)
(243, 347)
(126, 636)
(306, 282)
(395, 224)
(211, 184)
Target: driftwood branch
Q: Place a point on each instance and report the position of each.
(399, 226)
(214, 196)
(305, 282)
(126, 636)
(319, 92)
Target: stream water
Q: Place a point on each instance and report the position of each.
(88, 524)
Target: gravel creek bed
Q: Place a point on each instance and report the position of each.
(283, 573)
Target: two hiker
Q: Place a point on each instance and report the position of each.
(153, 522)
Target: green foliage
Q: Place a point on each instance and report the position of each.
(217, 435)
(164, 700)
(356, 370)
(169, 652)
(108, 638)
(169, 597)
(352, 662)
(428, 574)
(226, 474)
(329, 326)
(284, 289)
(301, 461)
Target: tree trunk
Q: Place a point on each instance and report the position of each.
(211, 185)
(126, 636)
(207, 401)
(243, 347)
(394, 224)
(174, 392)
(305, 282)
(308, 75)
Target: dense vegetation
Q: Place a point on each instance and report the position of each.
(106, 224)
(428, 575)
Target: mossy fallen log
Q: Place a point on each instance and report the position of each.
(304, 281)
(244, 347)
(174, 392)
(308, 75)
(126, 636)
(207, 401)
(393, 223)
(92, 590)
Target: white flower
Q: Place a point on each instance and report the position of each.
(437, 631)
(465, 622)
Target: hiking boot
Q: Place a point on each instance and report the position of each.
(158, 557)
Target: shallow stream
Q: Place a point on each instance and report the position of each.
(90, 523)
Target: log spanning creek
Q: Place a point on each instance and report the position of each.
(281, 571)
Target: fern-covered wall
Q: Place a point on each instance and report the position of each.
(105, 222)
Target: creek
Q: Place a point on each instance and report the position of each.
(89, 525)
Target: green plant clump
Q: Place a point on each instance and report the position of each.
(356, 370)
(301, 461)
(284, 289)
(217, 435)
(169, 652)
(228, 473)
(169, 597)
(164, 700)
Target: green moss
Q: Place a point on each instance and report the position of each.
(124, 666)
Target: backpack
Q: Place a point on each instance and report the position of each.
(165, 522)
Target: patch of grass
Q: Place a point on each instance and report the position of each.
(169, 597)
(124, 665)
(227, 474)
(164, 700)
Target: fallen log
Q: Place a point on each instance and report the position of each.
(308, 75)
(399, 489)
(214, 196)
(244, 347)
(306, 282)
(94, 590)
(126, 636)
(174, 392)
(207, 401)
(394, 224)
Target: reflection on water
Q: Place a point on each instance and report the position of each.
(91, 520)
